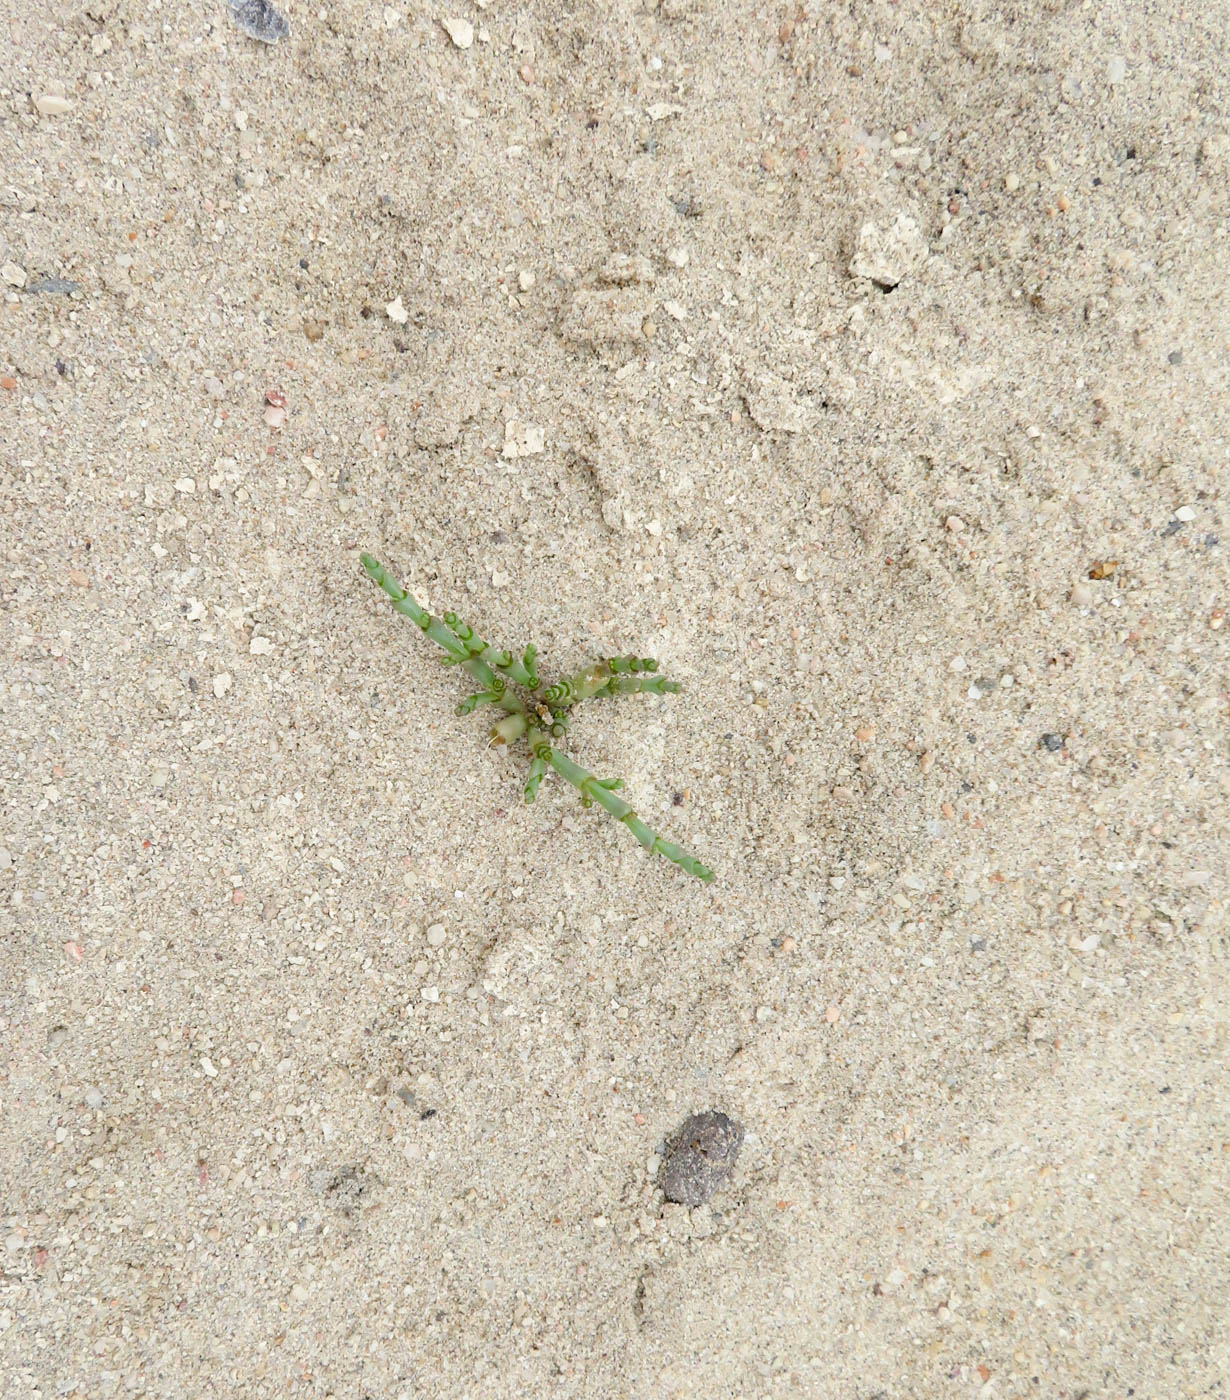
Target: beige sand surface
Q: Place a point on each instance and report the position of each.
(261, 1134)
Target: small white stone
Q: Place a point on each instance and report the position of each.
(677, 257)
(275, 415)
(436, 935)
(53, 104)
(1012, 181)
(955, 524)
(526, 279)
(186, 486)
(1116, 70)
(1185, 513)
(430, 993)
(260, 646)
(1191, 879)
(93, 1097)
(957, 664)
(222, 683)
(1082, 595)
(14, 274)
(395, 311)
(207, 1065)
(675, 310)
(299, 1293)
(887, 253)
(460, 31)
(523, 439)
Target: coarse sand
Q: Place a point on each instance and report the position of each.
(869, 365)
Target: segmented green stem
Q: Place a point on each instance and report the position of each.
(440, 634)
(599, 792)
(540, 750)
(614, 676)
(538, 771)
(571, 690)
(484, 697)
(621, 665)
(470, 639)
(443, 636)
(501, 660)
(641, 685)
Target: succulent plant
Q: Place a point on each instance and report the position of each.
(542, 716)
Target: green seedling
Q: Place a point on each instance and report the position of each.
(542, 719)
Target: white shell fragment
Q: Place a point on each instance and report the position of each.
(886, 254)
(460, 31)
(523, 439)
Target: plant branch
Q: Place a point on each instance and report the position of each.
(444, 637)
(548, 717)
(595, 790)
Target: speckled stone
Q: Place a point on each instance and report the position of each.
(700, 1157)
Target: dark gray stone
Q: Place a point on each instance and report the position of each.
(700, 1156)
(55, 286)
(259, 20)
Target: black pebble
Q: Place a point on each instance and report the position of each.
(1053, 742)
(700, 1157)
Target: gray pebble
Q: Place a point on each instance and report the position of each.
(259, 20)
(56, 286)
(93, 1097)
(1051, 742)
(700, 1157)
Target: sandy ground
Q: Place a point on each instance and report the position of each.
(853, 339)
